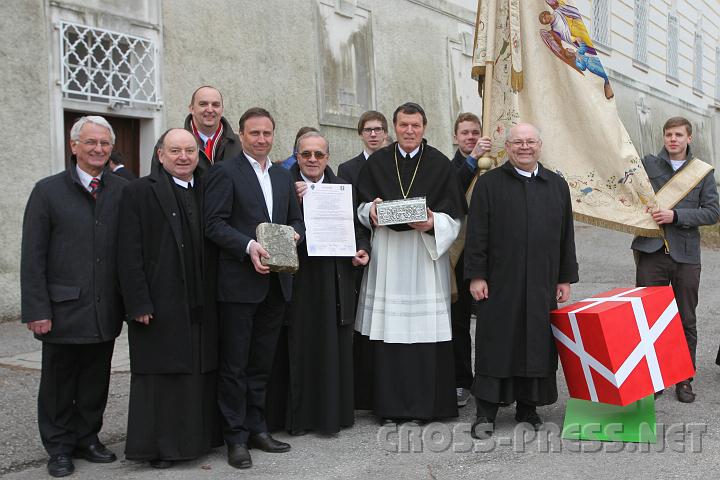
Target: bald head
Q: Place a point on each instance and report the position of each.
(178, 153)
(206, 108)
(523, 145)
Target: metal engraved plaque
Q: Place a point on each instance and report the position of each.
(408, 210)
(279, 241)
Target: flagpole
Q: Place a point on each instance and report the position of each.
(485, 162)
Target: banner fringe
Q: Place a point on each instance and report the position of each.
(619, 227)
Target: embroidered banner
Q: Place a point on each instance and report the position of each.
(548, 73)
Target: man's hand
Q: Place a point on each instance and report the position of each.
(361, 258)
(426, 225)
(144, 318)
(563, 292)
(373, 212)
(481, 147)
(300, 190)
(662, 216)
(296, 237)
(479, 288)
(256, 253)
(40, 327)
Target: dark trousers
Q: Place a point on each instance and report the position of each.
(659, 269)
(248, 338)
(489, 409)
(74, 384)
(460, 313)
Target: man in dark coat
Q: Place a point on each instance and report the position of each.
(311, 386)
(471, 146)
(403, 312)
(69, 295)
(679, 265)
(217, 140)
(241, 193)
(372, 129)
(170, 299)
(116, 166)
(520, 260)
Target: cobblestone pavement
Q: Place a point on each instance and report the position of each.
(689, 447)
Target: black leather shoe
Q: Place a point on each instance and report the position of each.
(684, 392)
(239, 456)
(60, 465)
(263, 441)
(530, 417)
(97, 453)
(482, 428)
(158, 463)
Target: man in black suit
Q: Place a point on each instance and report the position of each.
(70, 299)
(241, 193)
(372, 128)
(116, 166)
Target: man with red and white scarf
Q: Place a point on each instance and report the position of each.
(215, 136)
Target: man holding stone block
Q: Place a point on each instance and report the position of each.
(241, 193)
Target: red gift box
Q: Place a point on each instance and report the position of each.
(622, 345)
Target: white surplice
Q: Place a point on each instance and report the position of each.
(405, 293)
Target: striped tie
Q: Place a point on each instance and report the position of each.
(94, 186)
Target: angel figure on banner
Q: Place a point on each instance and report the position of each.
(566, 25)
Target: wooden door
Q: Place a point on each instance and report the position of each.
(127, 138)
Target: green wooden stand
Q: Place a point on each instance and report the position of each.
(586, 420)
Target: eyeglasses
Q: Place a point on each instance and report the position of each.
(375, 130)
(529, 143)
(307, 154)
(95, 143)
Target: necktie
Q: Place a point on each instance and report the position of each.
(94, 187)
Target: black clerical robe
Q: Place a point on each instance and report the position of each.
(404, 368)
(311, 385)
(520, 239)
(173, 413)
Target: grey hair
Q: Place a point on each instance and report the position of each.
(311, 135)
(508, 132)
(97, 120)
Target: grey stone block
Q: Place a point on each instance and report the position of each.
(279, 241)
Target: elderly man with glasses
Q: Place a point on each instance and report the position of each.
(311, 386)
(520, 260)
(70, 299)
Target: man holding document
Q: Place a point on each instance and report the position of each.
(311, 384)
(404, 307)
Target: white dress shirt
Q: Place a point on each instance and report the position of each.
(263, 177)
(86, 178)
(183, 183)
(527, 174)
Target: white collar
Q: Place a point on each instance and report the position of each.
(183, 183)
(412, 154)
(254, 162)
(307, 180)
(676, 164)
(367, 155)
(525, 173)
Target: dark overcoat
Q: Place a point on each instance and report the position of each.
(520, 239)
(68, 271)
(350, 170)
(153, 279)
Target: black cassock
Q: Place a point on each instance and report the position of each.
(520, 239)
(311, 384)
(173, 412)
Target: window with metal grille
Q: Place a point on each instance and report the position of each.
(672, 47)
(698, 59)
(640, 31)
(601, 22)
(105, 66)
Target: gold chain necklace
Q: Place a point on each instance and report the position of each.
(412, 180)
